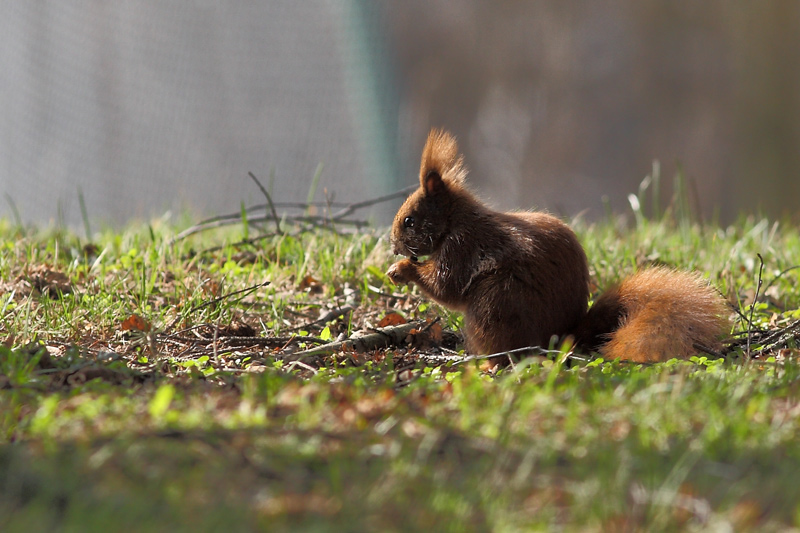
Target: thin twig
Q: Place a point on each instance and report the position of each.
(780, 275)
(242, 341)
(773, 339)
(332, 315)
(269, 201)
(745, 320)
(705, 349)
(283, 341)
(528, 350)
(248, 241)
(320, 220)
(753, 305)
(228, 295)
(780, 333)
(315, 221)
(361, 342)
(214, 301)
(430, 324)
(301, 364)
(366, 203)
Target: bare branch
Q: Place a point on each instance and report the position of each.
(269, 201)
(362, 341)
(366, 203)
(303, 218)
(333, 315)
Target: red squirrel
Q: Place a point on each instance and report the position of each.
(521, 278)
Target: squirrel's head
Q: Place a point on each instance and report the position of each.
(424, 220)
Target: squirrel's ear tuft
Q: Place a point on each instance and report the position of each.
(440, 156)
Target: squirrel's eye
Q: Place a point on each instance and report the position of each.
(408, 222)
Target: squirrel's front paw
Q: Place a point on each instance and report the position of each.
(400, 272)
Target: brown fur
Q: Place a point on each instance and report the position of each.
(654, 315)
(522, 278)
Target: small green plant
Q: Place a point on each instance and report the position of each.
(17, 366)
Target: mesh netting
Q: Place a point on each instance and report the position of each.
(144, 107)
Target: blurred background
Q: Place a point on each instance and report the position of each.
(148, 106)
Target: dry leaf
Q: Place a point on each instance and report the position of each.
(435, 333)
(427, 337)
(310, 284)
(746, 515)
(135, 322)
(391, 319)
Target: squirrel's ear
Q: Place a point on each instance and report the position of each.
(441, 164)
(433, 183)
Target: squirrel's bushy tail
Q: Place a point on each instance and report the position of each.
(656, 315)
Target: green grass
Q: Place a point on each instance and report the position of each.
(104, 427)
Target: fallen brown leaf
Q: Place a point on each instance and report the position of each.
(135, 322)
(391, 319)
